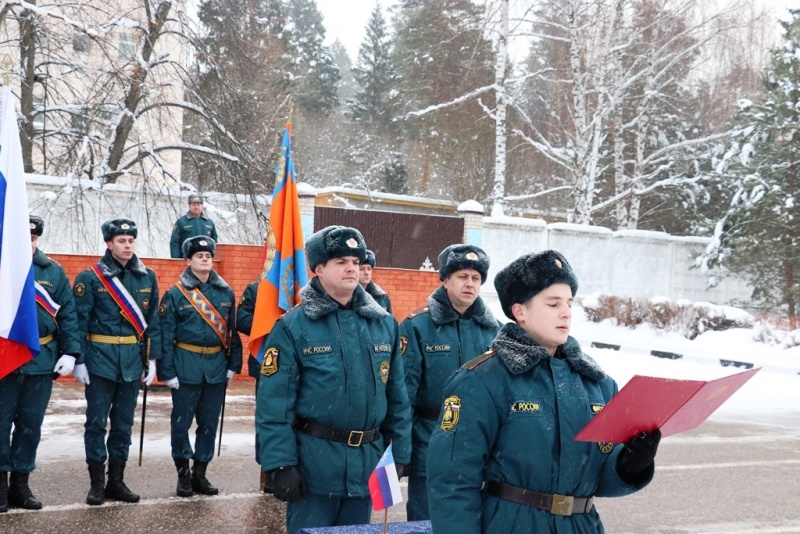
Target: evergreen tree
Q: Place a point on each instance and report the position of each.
(347, 85)
(243, 74)
(315, 76)
(443, 54)
(376, 101)
(759, 236)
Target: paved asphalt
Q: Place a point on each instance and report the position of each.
(738, 477)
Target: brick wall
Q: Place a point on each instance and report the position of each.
(241, 264)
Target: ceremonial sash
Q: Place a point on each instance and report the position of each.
(44, 300)
(207, 311)
(127, 304)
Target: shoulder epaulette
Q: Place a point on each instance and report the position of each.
(419, 311)
(477, 360)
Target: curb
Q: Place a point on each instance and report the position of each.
(690, 357)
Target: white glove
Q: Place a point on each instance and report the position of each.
(230, 377)
(65, 365)
(81, 374)
(173, 383)
(150, 374)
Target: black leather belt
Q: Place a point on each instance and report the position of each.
(354, 438)
(553, 503)
(426, 413)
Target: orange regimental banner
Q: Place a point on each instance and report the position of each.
(284, 271)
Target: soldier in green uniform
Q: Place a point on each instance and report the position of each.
(117, 302)
(24, 393)
(436, 340)
(365, 279)
(195, 222)
(201, 353)
(244, 322)
(503, 457)
(331, 396)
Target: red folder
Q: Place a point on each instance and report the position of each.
(647, 403)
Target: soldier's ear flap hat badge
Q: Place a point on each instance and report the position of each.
(335, 242)
(196, 244)
(463, 256)
(115, 227)
(530, 274)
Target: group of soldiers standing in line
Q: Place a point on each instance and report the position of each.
(479, 416)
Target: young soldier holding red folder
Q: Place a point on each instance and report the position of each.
(503, 457)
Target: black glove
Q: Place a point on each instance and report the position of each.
(635, 459)
(403, 470)
(289, 484)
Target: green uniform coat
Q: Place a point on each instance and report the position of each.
(64, 327)
(518, 411)
(98, 313)
(244, 321)
(340, 368)
(437, 341)
(180, 321)
(380, 296)
(190, 226)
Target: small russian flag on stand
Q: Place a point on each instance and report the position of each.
(384, 486)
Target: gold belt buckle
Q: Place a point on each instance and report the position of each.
(562, 505)
(359, 434)
(204, 350)
(122, 340)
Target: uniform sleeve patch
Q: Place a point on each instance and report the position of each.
(162, 310)
(80, 290)
(403, 344)
(450, 412)
(385, 371)
(270, 364)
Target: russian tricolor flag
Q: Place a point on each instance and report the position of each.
(19, 328)
(384, 486)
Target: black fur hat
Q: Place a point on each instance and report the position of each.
(460, 256)
(198, 243)
(37, 225)
(526, 276)
(370, 258)
(335, 242)
(116, 227)
(195, 199)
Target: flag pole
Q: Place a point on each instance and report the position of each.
(385, 519)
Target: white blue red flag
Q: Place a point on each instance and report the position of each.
(19, 328)
(384, 486)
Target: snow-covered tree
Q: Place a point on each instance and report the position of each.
(315, 76)
(242, 77)
(759, 236)
(377, 98)
(446, 63)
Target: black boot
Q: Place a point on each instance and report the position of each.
(3, 491)
(97, 492)
(200, 483)
(19, 493)
(116, 490)
(184, 478)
